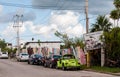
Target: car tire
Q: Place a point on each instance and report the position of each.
(18, 60)
(51, 66)
(28, 62)
(63, 67)
(31, 62)
(56, 67)
(45, 65)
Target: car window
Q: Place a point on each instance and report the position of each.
(56, 56)
(68, 57)
(24, 54)
(37, 56)
(4, 53)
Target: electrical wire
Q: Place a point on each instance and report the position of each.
(38, 6)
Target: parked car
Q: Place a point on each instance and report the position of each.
(4, 55)
(22, 57)
(43, 60)
(68, 61)
(52, 61)
(35, 59)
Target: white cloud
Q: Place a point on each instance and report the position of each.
(75, 31)
(70, 20)
(1, 8)
(64, 20)
(11, 31)
(67, 22)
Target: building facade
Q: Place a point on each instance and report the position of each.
(44, 48)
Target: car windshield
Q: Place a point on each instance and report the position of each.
(4, 53)
(68, 57)
(56, 56)
(24, 54)
(37, 56)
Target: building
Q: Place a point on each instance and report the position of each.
(9, 45)
(44, 48)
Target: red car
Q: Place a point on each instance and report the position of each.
(52, 61)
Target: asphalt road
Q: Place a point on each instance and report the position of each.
(10, 68)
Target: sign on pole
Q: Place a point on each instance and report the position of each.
(92, 40)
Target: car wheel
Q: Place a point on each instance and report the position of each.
(28, 62)
(63, 67)
(56, 67)
(31, 62)
(78, 68)
(51, 66)
(45, 65)
(18, 60)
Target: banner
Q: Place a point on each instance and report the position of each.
(92, 40)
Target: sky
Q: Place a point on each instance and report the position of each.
(39, 19)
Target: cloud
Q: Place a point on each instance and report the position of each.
(68, 22)
(11, 31)
(95, 6)
(64, 20)
(1, 8)
(9, 17)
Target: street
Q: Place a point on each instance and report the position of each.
(10, 68)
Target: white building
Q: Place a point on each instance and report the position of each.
(52, 46)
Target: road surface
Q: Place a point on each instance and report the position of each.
(10, 68)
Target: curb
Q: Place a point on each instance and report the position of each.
(116, 74)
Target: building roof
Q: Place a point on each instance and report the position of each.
(43, 42)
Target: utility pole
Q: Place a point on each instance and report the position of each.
(17, 25)
(86, 12)
(87, 30)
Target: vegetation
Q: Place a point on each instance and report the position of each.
(105, 69)
(3, 45)
(102, 24)
(111, 39)
(69, 41)
(115, 14)
(4, 48)
(112, 46)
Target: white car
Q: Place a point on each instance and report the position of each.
(22, 57)
(4, 55)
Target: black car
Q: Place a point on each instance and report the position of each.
(35, 59)
(51, 61)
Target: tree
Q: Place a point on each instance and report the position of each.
(65, 39)
(69, 41)
(3, 45)
(117, 4)
(79, 42)
(112, 44)
(102, 24)
(115, 16)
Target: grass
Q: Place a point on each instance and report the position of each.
(105, 69)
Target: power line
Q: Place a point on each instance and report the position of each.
(40, 7)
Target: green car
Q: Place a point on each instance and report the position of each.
(68, 61)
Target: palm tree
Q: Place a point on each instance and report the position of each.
(115, 16)
(102, 24)
(117, 4)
